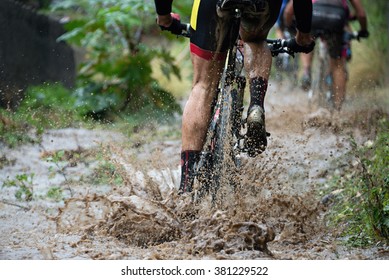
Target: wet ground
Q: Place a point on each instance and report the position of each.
(100, 195)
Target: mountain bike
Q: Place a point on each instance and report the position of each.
(321, 92)
(226, 136)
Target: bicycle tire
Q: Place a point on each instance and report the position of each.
(321, 84)
(320, 94)
(224, 157)
(325, 88)
(218, 157)
(217, 150)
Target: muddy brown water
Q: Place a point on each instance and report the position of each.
(276, 213)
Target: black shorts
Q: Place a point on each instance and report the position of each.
(328, 22)
(207, 28)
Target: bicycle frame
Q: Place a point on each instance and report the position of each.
(226, 131)
(320, 93)
(226, 134)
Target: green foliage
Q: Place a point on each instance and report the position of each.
(55, 193)
(107, 173)
(24, 183)
(47, 106)
(362, 200)
(377, 25)
(116, 75)
(13, 130)
(50, 106)
(369, 65)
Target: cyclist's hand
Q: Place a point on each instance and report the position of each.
(295, 47)
(363, 34)
(170, 23)
(303, 42)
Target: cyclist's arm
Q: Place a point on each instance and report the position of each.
(303, 14)
(360, 13)
(164, 9)
(302, 10)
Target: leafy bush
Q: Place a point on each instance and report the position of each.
(116, 74)
(43, 107)
(50, 106)
(362, 200)
(13, 131)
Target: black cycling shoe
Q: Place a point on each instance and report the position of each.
(256, 136)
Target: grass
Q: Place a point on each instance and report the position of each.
(361, 196)
(369, 65)
(366, 69)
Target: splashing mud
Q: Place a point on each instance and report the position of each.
(273, 212)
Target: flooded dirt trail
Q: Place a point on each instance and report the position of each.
(101, 195)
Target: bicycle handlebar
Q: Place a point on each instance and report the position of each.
(177, 28)
(276, 46)
(185, 30)
(288, 46)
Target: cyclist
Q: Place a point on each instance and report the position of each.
(330, 17)
(280, 26)
(208, 52)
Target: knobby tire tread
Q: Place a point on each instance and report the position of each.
(223, 152)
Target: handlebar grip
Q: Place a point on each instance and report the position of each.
(176, 27)
(185, 29)
(294, 47)
(363, 34)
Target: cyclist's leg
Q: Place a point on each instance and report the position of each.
(207, 60)
(338, 69)
(258, 59)
(339, 77)
(306, 61)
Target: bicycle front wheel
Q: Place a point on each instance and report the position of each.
(224, 154)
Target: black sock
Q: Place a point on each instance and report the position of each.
(189, 159)
(258, 88)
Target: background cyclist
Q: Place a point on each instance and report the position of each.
(331, 17)
(208, 52)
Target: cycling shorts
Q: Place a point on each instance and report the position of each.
(328, 22)
(208, 39)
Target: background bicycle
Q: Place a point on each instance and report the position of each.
(321, 94)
